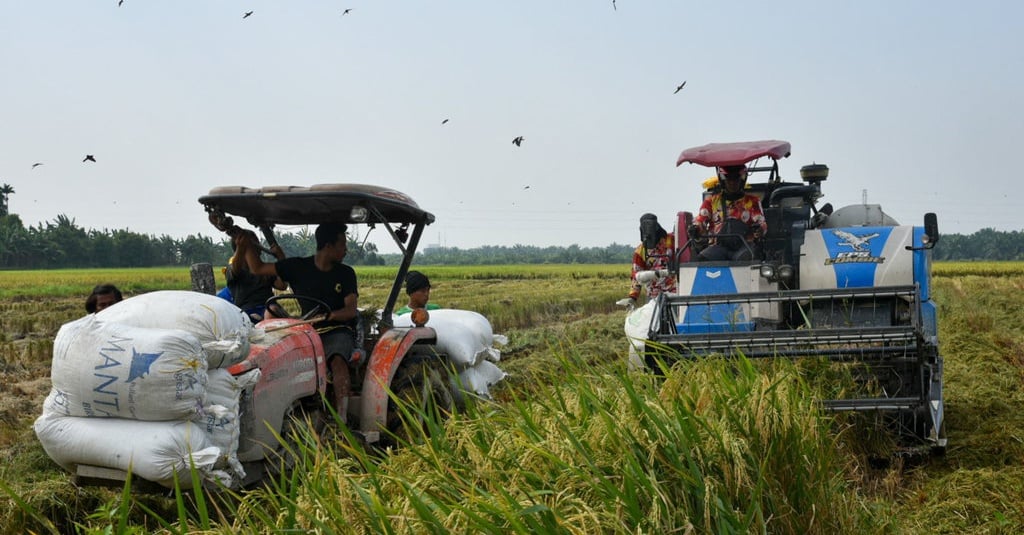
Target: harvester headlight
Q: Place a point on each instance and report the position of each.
(785, 272)
(768, 271)
(358, 214)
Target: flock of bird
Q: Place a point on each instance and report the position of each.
(517, 141)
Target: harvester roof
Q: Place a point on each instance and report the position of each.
(722, 154)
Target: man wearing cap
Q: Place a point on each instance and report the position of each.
(417, 287)
(654, 253)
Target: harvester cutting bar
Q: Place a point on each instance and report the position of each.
(908, 292)
(849, 333)
(872, 404)
(880, 342)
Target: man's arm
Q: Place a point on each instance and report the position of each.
(639, 264)
(252, 256)
(238, 259)
(348, 312)
(703, 218)
(757, 220)
(278, 253)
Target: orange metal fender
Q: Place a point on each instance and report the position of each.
(387, 356)
(292, 366)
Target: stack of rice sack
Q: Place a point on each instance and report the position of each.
(468, 340)
(141, 387)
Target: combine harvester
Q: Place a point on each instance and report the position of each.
(848, 285)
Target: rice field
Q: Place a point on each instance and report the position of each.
(574, 443)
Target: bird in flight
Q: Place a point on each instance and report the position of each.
(613, 6)
(678, 89)
(526, 187)
(37, 164)
(89, 158)
(247, 14)
(119, 2)
(444, 121)
(346, 12)
(518, 141)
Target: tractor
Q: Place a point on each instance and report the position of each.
(389, 366)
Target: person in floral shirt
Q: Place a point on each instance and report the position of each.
(654, 253)
(731, 212)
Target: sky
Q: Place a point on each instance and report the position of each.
(914, 105)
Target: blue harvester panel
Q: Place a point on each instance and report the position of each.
(714, 318)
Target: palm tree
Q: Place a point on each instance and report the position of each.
(5, 190)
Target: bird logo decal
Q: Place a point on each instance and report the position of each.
(859, 243)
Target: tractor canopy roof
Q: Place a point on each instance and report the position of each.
(321, 203)
(723, 154)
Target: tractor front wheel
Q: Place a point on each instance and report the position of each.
(420, 399)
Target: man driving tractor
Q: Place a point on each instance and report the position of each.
(732, 219)
(321, 276)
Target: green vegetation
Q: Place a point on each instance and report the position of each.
(61, 243)
(573, 443)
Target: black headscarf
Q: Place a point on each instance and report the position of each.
(651, 231)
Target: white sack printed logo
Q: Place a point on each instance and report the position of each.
(860, 252)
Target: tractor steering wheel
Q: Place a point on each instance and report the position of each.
(318, 307)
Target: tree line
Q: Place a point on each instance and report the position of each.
(61, 243)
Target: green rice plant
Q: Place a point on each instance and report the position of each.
(716, 447)
(983, 269)
(70, 283)
(575, 444)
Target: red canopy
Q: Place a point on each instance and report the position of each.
(721, 154)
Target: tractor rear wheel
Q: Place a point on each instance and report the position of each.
(420, 398)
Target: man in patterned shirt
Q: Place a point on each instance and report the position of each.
(654, 253)
(736, 215)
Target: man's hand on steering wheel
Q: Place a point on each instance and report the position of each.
(319, 308)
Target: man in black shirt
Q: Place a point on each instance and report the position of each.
(324, 277)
